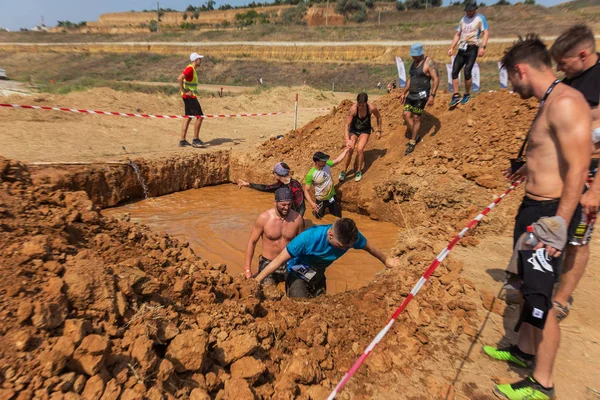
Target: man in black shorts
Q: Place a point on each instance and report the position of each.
(281, 172)
(358, 129)
(557, 160)
(575, 54)
(188, 84)
(418, 92)
(470, 46)
(276, 227)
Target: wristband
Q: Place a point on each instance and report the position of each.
(432, 94)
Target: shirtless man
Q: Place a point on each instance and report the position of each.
(358, 129)
(557, 162)
(575, 54)
(277, 227)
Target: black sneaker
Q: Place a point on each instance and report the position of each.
(184, 143)
(197, 143)
(410, 147)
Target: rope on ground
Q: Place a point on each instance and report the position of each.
(156, 116)
(434, 264)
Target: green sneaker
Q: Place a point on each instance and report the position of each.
(358, 176)
(510, 354)
(342, 176)
(527, 389)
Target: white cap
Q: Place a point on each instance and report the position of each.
(195, 56)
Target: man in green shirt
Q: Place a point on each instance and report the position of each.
(319, 176)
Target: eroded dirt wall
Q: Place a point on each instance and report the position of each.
(109, 185)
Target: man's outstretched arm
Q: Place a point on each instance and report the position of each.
(389, 262)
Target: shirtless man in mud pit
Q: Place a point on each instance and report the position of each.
(277, 227)
(558, 155)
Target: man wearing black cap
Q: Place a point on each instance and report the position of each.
(470, 46)
(281, 172)
(277, 227)
(319, 176)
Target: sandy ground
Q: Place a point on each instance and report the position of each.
(580, 339)
(61, 137)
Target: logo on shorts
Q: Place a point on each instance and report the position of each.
(537, 313)
(540, 261)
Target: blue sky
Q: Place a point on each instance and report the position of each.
(15, 14)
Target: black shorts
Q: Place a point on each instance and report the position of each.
(278, 276)
(296, 287)
(465, 58)
(334, 206)
(192, 107)
(538, 276)
(415, 105)
(358, 133)
(532, 210)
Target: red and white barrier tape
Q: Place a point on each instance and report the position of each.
(75, 110)
(434, 264)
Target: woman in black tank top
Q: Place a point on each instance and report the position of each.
(358, 129)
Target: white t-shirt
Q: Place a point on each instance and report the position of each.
(470, 29)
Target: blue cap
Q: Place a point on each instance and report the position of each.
(416, 50)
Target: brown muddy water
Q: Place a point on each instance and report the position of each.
(217, 221)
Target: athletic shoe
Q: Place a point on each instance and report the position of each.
(455, 100)
(358, 176)
(511, 354)
(527, 389)
(197, 143)
(410, 147)
(184, 143)
(465, 99)
(342, 176)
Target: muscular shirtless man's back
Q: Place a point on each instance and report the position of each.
(277, 227)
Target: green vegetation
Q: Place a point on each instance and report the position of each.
(250, 17)
(295, 15)
(71, 25)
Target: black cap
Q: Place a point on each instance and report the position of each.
(320, 156)
(471, 6)
(283, 194)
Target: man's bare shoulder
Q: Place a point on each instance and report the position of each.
(352, 109)
(295, 217)
(265, 216)
(372, 107)
(569, 103)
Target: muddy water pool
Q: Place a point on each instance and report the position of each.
(217, 221)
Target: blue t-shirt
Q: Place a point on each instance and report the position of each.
(312, 248)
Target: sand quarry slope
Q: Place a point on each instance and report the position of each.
(94, 307)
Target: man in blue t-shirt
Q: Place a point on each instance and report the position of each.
(311, 252)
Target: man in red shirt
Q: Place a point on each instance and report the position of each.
(188, 84)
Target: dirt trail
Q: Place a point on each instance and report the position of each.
(96, 306)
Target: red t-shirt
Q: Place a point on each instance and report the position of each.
(188, 72)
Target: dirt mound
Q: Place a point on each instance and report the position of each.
(96, 308)
(453, 173)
